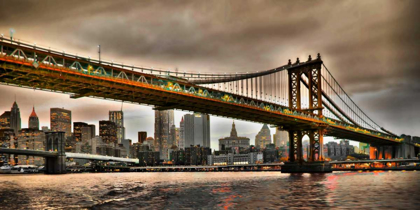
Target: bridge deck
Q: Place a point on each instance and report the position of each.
(81, 83)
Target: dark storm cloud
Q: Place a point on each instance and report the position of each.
(369, 46)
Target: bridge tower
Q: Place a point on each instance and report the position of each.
(55, 142)
(310, 76)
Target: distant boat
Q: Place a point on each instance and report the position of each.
(20, 169)
(5, 169)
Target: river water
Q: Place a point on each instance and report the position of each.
(212, 190)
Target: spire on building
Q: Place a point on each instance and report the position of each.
(33, 121)
(33, 114)
(233, 132)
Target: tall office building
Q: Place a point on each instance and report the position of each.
(15, 123)
(281, 138)
(92, 130)
(196, 130)
(163, 123)
(174, 136)
(263, 137)
(33, 121)
(77, 130)
(181, 142)
(108, 132)
(118, 118)
(60, 120)
(142, 135)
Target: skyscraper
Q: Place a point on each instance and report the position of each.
(196, 130)
(77, 130)
(15, 123)
(33, 121)
(174, 136)
(163, 123)
(263, 137)
(181, 142)
(92, 130)
(108, 132)
(60, 120)
(118, 118)
(281, 138)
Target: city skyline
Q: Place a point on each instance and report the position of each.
(220, 127)
(382, 92)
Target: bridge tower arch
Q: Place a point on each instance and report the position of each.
(312, 71)
(55, 142)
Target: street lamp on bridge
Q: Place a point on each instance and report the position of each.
(99, 52)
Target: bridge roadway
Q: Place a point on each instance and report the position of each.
(74, 77)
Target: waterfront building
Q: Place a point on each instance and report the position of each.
(181, 142)
(271, 154)
(77, 130)
(5, 120)
(60, 120)
(339, 151)
(196, 129)
(118, 118)
(134, 149)
(6, 139)
(263, 137)
(33, 121)
(142, 135)
(15, 122)
(163, 123)
(235, 159)
(148, 158)
(108, 132)
(233, 141)
(196, 155)
(32, 139)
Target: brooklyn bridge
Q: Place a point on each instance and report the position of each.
(300, 96)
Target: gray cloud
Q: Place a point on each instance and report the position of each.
(371, 47)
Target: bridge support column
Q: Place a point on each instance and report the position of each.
(55, 142)
(315, 163)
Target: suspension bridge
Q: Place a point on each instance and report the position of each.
(301, 97)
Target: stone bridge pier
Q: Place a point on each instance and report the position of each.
(55, 142)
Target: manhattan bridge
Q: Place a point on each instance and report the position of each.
(301, 97)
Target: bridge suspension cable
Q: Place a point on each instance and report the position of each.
(335, 95)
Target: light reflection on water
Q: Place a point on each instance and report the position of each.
(212, 190)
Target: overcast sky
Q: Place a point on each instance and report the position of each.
(371, 47)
